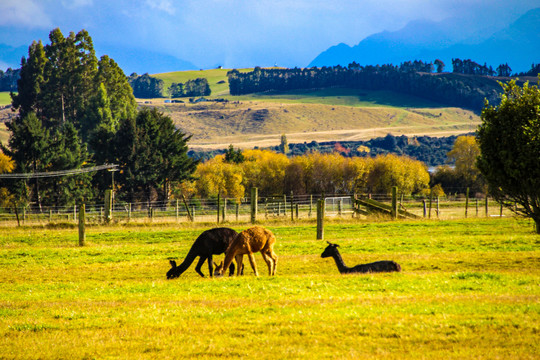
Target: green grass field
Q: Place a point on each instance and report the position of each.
(333, 96)
(468, 289)
(5, 99)
(214, 76)
(342, 97)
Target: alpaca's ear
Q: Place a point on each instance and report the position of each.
(173, 263)
(215, 263)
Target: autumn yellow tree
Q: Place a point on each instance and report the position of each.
(359, 169)
(410, 176)
(265, 170)
(6, 163)
(6, 166)
(464, 153)
(218, 177)
(296, 179)
(329, 173)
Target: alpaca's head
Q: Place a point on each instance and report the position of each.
(174, 272)
(218, 270)
(330, 250)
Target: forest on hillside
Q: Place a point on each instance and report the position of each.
(467, 86)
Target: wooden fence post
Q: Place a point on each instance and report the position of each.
(108, 205)
(224, 211)
(430, 202)
(218, 206)
(425, 207)
(237, 211)
(320, 219)
(129, 211)
(254, 199)
(192, 213)
(82, 224)
(394, 203)
(466, 203)
(310, 205)
(190, 216)
(487, 205)
(292, 207)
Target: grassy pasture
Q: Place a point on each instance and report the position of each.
(343, 97)
(469, 289)
(213, 76)
(5, 99)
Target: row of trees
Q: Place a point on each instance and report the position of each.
(145, 86)
(191, 88)
(76, 111)
(430, 150)
(148, 87)
(315, 173)
(470, 67)
(445, 88)
(534, 71)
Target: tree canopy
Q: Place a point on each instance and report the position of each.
(509, 139)
(74, 109)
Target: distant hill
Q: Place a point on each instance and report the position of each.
(10, 57)
(518, 45)
(140, 61)
(129, 59)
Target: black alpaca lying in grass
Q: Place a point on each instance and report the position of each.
(378, 266)
(211, 242)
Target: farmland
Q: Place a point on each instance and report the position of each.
(469, 289)
(335, 114)
(4, 98)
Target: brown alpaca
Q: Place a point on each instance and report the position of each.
(248, 242)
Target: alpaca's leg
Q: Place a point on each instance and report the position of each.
(268, 260)
(202, 259)
(273, 256)
(253, 264)
(210, 265)
(239, 260)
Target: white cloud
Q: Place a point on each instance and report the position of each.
(162, 5)
(23, 13)
(72, 4)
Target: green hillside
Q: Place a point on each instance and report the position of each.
(217, 78)
(334, 114)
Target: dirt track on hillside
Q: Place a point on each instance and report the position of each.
(250, 141)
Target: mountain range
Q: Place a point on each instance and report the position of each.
(518, 45)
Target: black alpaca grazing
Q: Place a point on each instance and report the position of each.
(211, 242)
(378, 266)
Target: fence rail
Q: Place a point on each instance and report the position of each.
(286, 207)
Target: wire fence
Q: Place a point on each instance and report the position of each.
(284, 207)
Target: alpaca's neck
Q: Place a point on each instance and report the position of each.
(339, 262)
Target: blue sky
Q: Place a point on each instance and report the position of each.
(237, 33)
